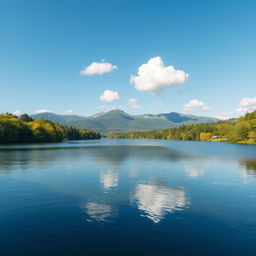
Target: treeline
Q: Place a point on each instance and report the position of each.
(241, 130)
(24, 129)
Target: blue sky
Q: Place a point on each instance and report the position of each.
(44, 46)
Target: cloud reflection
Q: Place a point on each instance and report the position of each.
(109, 179)
(197, 168)
(156, 201)
(99, 212)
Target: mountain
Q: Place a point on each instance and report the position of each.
(120, 121)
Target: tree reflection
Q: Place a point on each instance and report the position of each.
(249, 167)
(23, 158)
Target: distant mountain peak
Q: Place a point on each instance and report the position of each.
(119, 121)
(98, 114)
(117, 111)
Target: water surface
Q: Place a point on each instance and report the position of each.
(128, 197)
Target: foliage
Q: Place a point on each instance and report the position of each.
(241, 130)
(24, 129)
(26, 118)
(73, 133)
(205, 136)
(116, 121)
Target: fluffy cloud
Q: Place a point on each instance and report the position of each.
(39, 111)
(98, 68)
(246, 105)
(133, 103)
(109, 96)
(196, 104)
(224, 116)
(69, 111)
(16, 113)
(153, 77)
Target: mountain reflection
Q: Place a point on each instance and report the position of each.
(99, 212)
(109, 179)
(155, 201)
(26, 157)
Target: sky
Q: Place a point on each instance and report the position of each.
(83, 57)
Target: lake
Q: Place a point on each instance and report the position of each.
(128, 197)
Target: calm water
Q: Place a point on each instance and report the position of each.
(128, 197)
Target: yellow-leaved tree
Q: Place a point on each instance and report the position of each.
(205, 136)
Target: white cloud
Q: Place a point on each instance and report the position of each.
(196, 104)
(153, 77)
(39, 111)
(16, 113)
(69, 111)
(133, 103)
(246, 105)
(98, 68)
(109, 96)
(224, 116)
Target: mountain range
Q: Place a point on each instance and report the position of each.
(116, 121)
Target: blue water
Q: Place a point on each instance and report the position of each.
(128, 197)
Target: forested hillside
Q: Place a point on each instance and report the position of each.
(24, 129)
(241, 130)
(116, 121)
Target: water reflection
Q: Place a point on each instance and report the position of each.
(133, 172)
(196, 168)
(109, 179)
(155, 201)
(249, 168)
(79, 171)
(23, 158)
(99, 212)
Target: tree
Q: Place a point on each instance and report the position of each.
(252, 136)
(205, 136)
(16, 130)
(25, 118)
